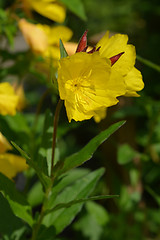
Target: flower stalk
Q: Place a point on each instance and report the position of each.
(55, 125)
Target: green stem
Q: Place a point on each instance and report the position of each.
(48, 190)
(37, 226)
(42, 214)
(149, 63)
(55, 125)
(38, 110)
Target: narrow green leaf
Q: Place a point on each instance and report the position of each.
(86, 153)
(149, 63)
(23, 153)
(43, 178)
(82, 200)
(153, 194)
(65, 181)
(63, 51)
(76, 6)
(17, 201)
(79, 190)
(44, 159)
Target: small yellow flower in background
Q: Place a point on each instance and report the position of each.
(4, 144)
(19, 90)
(44, 39)
(89, 82)
(53, 35)
(51, 9)
(34, 36)
(10, 164)
(8, 99)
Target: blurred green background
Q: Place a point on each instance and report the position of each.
(132, 155)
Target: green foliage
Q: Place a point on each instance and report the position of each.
(86, 153)
(17, 202)
(80, 189)
(77, 202)
(126, 154)
(8, 27)
(62, 49)
(7, 216)
(76, 6)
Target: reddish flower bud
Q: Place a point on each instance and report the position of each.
(115, 58)
(82, 43)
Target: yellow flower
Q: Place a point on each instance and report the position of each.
(44, 39)
(22, 102)
(90, 82)
(34, 36)
(86, 84)
(51, 9)
(11, 164)
(53, 35)
(8, 99)
(4, 144)
(125, 65)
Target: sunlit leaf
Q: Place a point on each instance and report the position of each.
(79, 190)
(86, 153)
(76, 6)
(17, 202)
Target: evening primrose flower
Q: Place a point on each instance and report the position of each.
(19, 90)
(51, 9)
(4, 144)
(90, 82)
(44, 39)
(8, 99)
(10, 164)
(53, 35)
(86, 84)
(34, 36)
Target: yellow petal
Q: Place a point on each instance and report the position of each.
(115, 45)
(100, 114)
(34, 36)
(11, 164)
(70, 47)
(50, 9)
(134, 83)
(51, 56)
(4, 144)
(56, 33)
(19, 90)
(8, 99)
